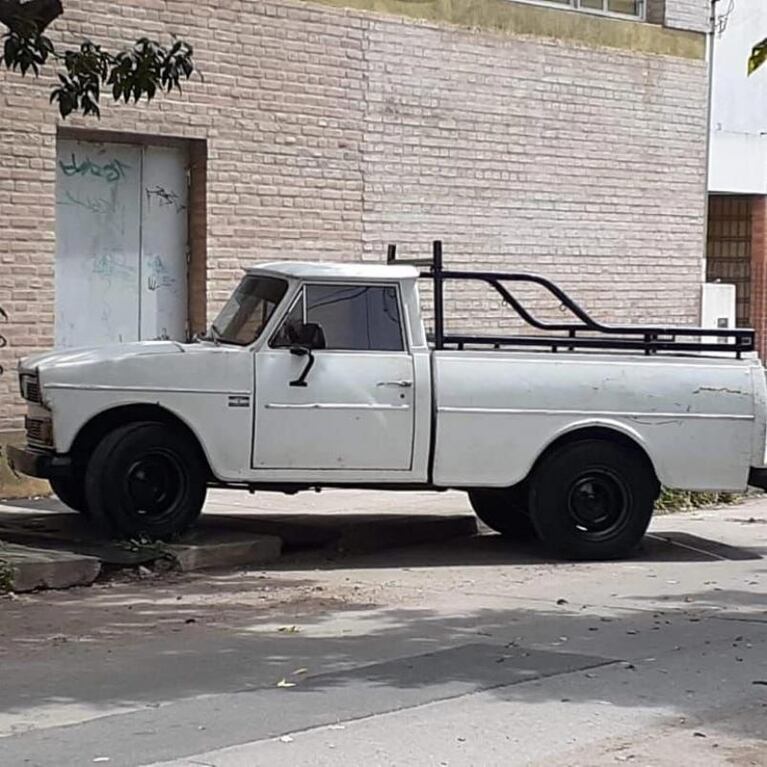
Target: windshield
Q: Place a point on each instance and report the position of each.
(246, 313)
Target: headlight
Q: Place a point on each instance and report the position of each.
(30, 387)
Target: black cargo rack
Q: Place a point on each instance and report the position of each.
(649, 339)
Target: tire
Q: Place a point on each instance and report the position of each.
(71, 492)
(145, 479)
(503, 510)
(592, 499)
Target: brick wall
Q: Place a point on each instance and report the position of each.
(346, 130)
(691, 15)
(694, 15)
(596, 179)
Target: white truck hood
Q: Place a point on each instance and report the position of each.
(89, 355)
(142, 366)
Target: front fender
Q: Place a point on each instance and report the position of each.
(223, 433)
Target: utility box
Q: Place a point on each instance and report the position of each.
(718, 307)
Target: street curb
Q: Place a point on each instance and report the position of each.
(28, 569)
(58, 550)
(248, 550)
(347, 533)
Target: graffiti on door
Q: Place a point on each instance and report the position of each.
(112, 171)
(121, 242)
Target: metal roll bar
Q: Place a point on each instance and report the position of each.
(646, 338)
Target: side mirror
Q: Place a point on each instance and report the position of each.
(308, 335)
(304, 338)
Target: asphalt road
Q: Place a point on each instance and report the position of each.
(473, 652)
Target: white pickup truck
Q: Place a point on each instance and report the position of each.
(321, 375)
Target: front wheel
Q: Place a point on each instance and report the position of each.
(592, 499)
(145, 479)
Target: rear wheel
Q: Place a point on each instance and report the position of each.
(146, 479)
(71, 492)
(592, 499)
(503, 510)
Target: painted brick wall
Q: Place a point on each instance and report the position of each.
(694, 15)
(347, 130)
(595, 179)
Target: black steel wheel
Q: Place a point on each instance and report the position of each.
(146, 479)
(503, 510)
(592, 499)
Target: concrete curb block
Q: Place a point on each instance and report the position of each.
(250, 550)
(30, 569)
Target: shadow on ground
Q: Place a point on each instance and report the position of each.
(339, 534)
(129, 643)
(274, 679)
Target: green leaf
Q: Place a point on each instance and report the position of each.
(141, 70)
(758, 56)
(9, 51)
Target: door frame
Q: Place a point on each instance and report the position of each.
(421, 403)
(197, 208)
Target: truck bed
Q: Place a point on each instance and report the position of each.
(695, 416)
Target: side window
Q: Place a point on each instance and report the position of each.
(356, 317)
(288, 331)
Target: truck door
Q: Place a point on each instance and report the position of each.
(354, 410)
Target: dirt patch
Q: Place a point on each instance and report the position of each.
(129, 604)
(12, 485)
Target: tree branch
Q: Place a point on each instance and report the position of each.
(22, 15)
(142, 70)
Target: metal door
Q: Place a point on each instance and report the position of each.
(357, 412)
(121, 243)
(164, 220)
(355, 409)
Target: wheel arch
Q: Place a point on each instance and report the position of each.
(99, 425)
(614, 432)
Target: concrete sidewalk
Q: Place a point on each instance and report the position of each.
(55, 548)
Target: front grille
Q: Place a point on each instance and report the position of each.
(38, 431)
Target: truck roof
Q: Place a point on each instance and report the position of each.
(315, 270)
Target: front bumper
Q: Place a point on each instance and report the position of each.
(36, 463)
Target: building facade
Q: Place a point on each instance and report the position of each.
(565, 137)
(737, 231)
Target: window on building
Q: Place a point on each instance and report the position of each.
(633, 8)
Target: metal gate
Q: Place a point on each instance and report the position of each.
(121, 243)
(728, 256)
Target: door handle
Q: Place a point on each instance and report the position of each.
(401, 384)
